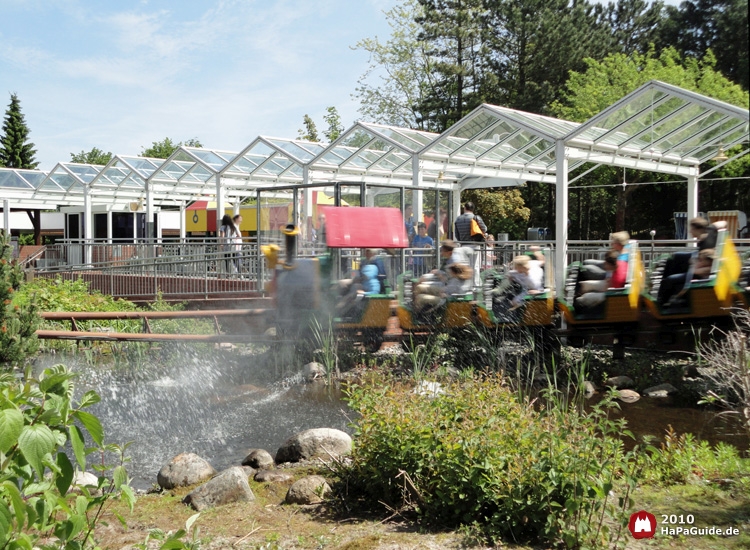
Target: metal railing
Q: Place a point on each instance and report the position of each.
(180, 269)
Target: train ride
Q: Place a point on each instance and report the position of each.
(310, 290)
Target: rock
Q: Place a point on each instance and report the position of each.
(430, 389)
(308, 490)
(628, 396)
(589, 388)
(619, 382)
(249, 471)
(272, 476)
(313, 371)
(318, 442)
(229, 486)
(183, 470)
(259, 459)
(88, 480)
(662, 390)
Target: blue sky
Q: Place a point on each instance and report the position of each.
(119, 75)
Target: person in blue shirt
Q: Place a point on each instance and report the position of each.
(422, 241)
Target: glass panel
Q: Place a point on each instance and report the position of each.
(350, 195)
(298, 153)
(630, 109)
(336, 156)
(214, 159)
(11, 179)
(689, 131)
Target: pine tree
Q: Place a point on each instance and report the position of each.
(15, 149)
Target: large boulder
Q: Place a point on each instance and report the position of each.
(229, 486)
(183, 470)
(308, 490)
(260, 459)
(318, 442)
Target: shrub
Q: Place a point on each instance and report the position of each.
(18, 323)
(477, 455)
(38, 507)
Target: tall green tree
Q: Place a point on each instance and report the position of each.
(16, 151)
(695, 27)
(532, 45)
(164, 148)
(95, 156)
(452, 33)
(399, 73)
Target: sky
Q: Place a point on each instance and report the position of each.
(121, 74)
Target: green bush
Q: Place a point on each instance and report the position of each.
(18, 323)
(681, 458)
(38, 504)
(477, 456)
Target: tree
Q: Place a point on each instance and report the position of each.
(95, 156)
(401, 71)
(718, 25)
(452, 33)
(163, 149)
(335, 127)
(310, 132)
(503, 210)
(15, 149)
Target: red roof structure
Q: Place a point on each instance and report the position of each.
(364, 227)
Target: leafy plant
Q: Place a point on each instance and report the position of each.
(39, 503)
(175, 541)
(477, 455)
(18, 323)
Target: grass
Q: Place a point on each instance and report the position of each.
(267, 523)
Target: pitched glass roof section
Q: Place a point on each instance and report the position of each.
(495, 141)
(188, 173)
(269, 160)
(13, 178)
(125, 176)
(666, 124)
(372, 152)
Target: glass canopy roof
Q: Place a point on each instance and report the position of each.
(658, 127)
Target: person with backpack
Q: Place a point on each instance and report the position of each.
(469, 226)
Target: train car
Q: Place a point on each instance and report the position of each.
(536, 310)
(620, 306)
(701, 300)
(743, 284)
(307, 291)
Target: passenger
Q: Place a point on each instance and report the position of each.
(371, 257)
(364, 284)
(520, 274)
(421, 241)
(676, 268)
(678, 283)
(593, 293)
(594, 270)
(536, 266)
(433, 289)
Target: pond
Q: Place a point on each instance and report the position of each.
(220, 404)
